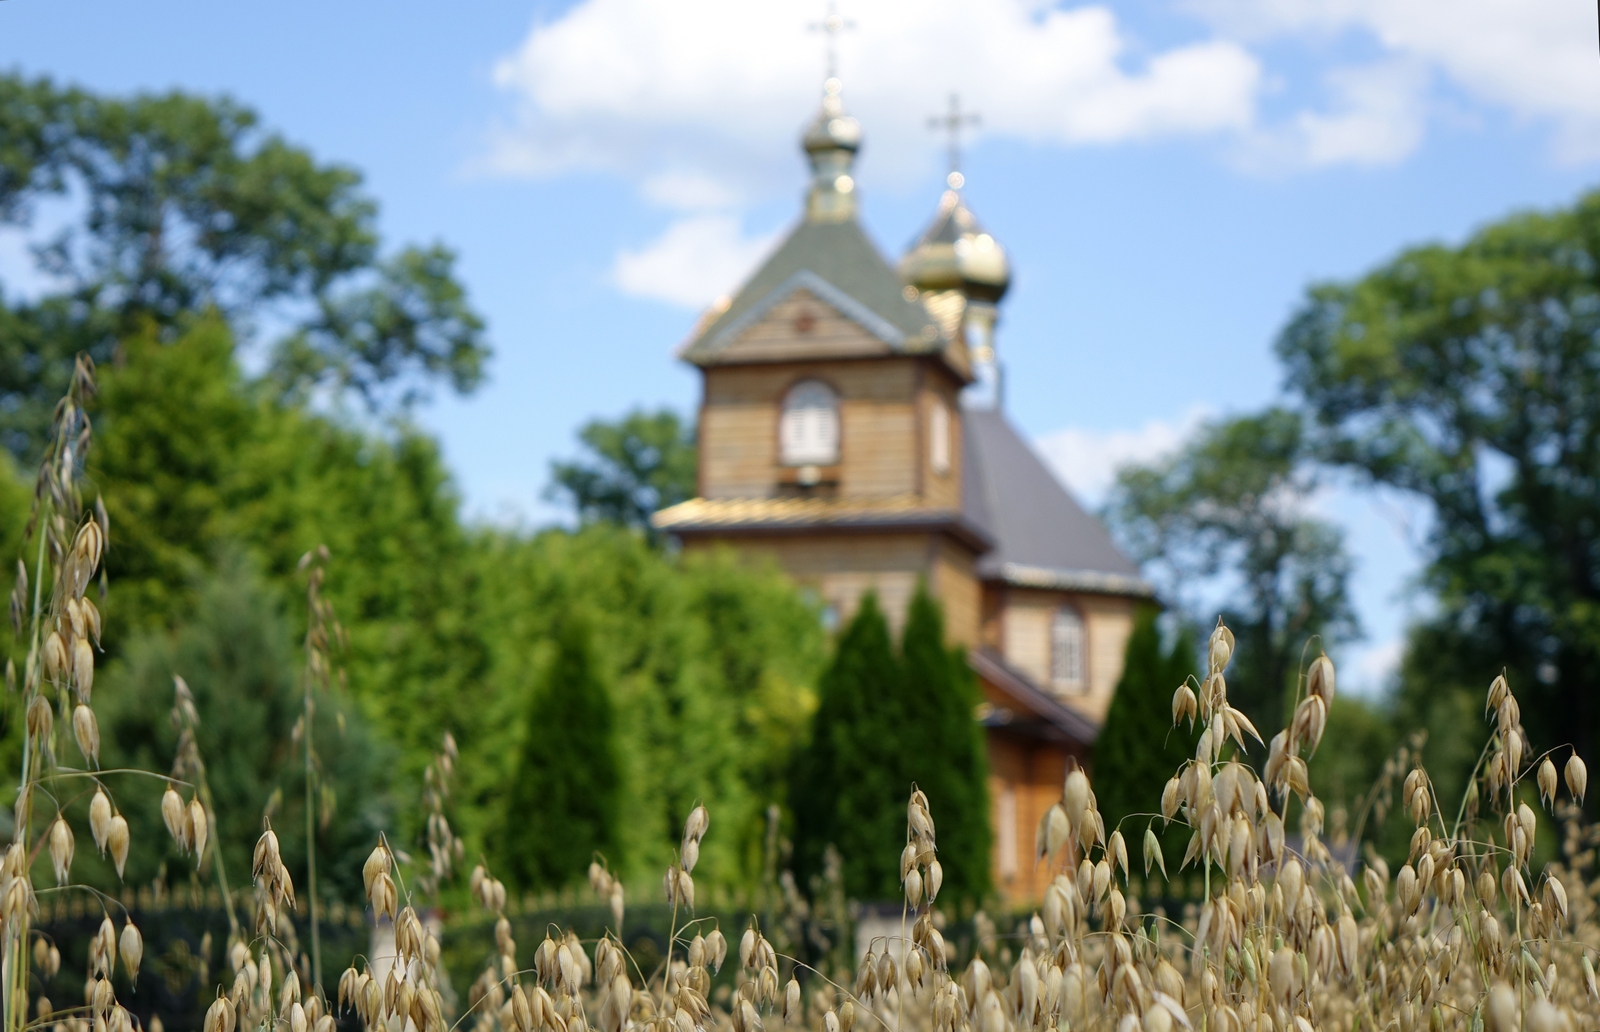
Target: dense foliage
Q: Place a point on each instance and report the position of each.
(885, 721)
(234, 650)
(944, 746)
(844, 790)
(1469, 377)
(191, 233)
(636, 465)
(563, 806)
(179, 205)
(1139, 746)
(1234, 502)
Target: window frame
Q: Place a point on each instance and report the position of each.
(941, 453)
(1058, 683)
(786, 412)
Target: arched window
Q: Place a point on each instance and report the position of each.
(808, 433)
(1066, 650)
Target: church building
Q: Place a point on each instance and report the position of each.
(851, 429)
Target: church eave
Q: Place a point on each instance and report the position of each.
(1044, 716)
(700, 518)
(1092, 582)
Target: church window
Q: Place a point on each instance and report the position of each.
(808, 433)
(1066, 650)
(939, 438)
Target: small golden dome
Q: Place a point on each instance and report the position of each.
(832, 129)
(955, 253)
(830, 142)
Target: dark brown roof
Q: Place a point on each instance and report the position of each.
(1030, 711)
(1043, 538)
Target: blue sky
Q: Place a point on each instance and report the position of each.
(1168, 177)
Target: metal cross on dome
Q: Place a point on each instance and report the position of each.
(953, 122)
(830, 27)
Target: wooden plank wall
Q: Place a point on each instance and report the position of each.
(1025, 779)
(885, 415)
(803, 326)
(1021, 629)
(739, 427)
(937, 385)
(953, 583)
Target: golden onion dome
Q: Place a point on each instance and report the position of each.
(955, 253)
(832, 129)
(830, 142)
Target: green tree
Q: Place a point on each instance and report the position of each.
(711, 661)
(849, 789)
(235, 649)
(1469, 377)
(943, 747)
(1139, 748)
(643, 462)
(239, 467)
(1234, 503)
(183, 204)
(564, 805)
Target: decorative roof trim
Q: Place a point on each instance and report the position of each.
(684, 521)
(1092, 581)
(848, 306)
(1062, 721)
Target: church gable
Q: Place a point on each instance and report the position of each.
(807, 318)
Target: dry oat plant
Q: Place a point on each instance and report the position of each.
(1289, 938)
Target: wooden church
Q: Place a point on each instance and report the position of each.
(850, 428)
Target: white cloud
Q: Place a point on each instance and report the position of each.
(1533, 58)
(698, 104)
(1369, 670)
(717, 89)
(688, 191)
(698, 259)
(699, 101)
(1378, 117)
(1087, 460)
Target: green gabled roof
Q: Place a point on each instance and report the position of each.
(838, 262)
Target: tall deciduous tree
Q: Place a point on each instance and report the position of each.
(636, 465)
(181, 204)
(564, 805)
(1233, 503)
(1469, 377)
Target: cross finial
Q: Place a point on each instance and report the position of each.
(953, 123)
(830, 27)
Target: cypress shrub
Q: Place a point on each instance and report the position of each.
(883, 723)
(564, 805)
(1138, 748)
(851, 785)
(944, 749)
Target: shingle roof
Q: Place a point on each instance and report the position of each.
(1028, 710)
(840, 255)
(1042, 537)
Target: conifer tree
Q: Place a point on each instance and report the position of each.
(852, 783)
(1139, 748)
(565, 802)
(944, 747)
